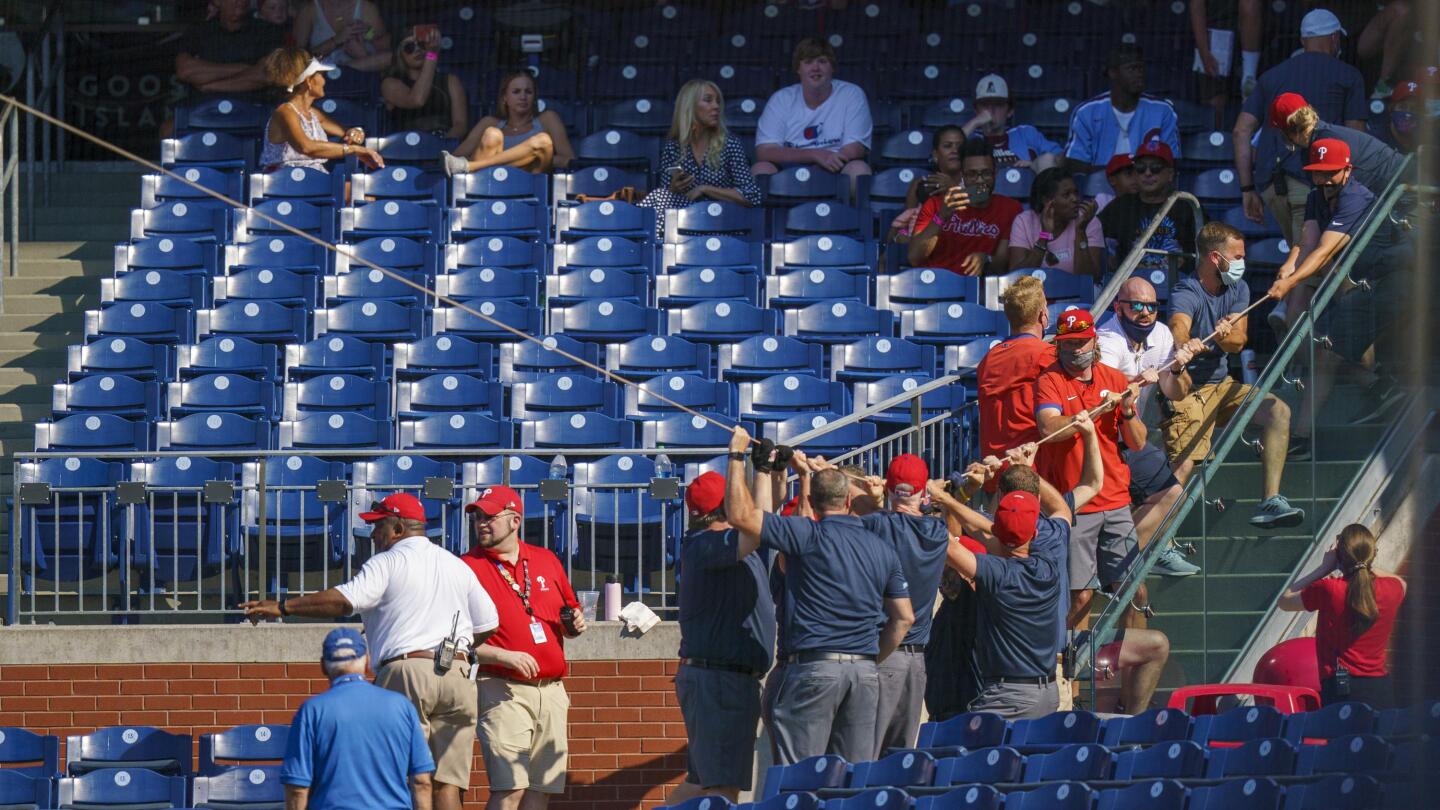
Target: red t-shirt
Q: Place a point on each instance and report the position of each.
(549, 591)
(1363, 656)
(1061, 462)
(970, 230)
(1005, 382)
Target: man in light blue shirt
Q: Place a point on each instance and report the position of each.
(1015, 145)
(1119, 121)
(355, 745)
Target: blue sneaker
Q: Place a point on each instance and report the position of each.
(1276, 513)
(1172, 563)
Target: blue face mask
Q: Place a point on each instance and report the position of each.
(1403, 121)
(1233, 272)
(1136, 332)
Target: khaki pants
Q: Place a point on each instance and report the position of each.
(523, 734)
(1193, 419)
(1289, 210)
(447, 710)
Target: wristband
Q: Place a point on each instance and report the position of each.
(1247, 189)
(738, 456)
(284, 611)
(432, 56)
(1045, 236)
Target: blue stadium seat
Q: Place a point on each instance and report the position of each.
(945, 324)
(1014, 182)
(177, 534)
(947, 399)
(335, 354)
(454, 430)
(981, 765)
(25, 752)
(165, 253)
(812, 773)
(651, 355)
(581, 284)
(742, 115)
(1335, 792)
(260, 321)
(121, 788)
(712, 251)
(713, 218)
(263, 284)
(168, 287)
(237, 117)
(522, 473)
(500, 183)
(825, 217)
(617, 148)
(577, 430)
(449, 393)
(1420, 719)
(703, 803)
(643, 116)
(1180, 759)
(803, 287)
(631, 80)
(24, 791)
(289, 252)
(967, 731)
(598, 181)
(874, 798)
(253, 787)
(605, 218)
(351, 112)
(1241, 724)
(517, 286)
(1208, 149)
(695, 285)
(1271, 756)
(1060, 287)
(399, 183)
(375, 479)
(743, 83)
(72, 538)
(316, 220)
(213, 431)
(885, 194)
(106, 393)
(331, 392)
(1334, 720)
(132, 747)
(495, 218)
(460, 322)
(94, 432)
(694, 391)
(296, 183)
(234, 355)
(1049, 115)
(684, 431)
(611, 253)
(159, 188)
(213, 150)
(394, 218)
(836, 322)
(1161, 794)
(761, 356)
(221, 392)
(1266, 254)
(443, 353)
(374, 285)
(835, 442)
(1079, 763)
(1358, 753)
(606, 321)
(899, 769)
(722, 322)
(840, 252)
(559, 392)
(195, 221)
(919, 287)
(527, 361)
(1267, 229)
(401, 255)
(386, 321)
(1054, 731)
(969, 797)
(1217, 189)
(119, 355)
(782, 395)
(797, 184)
(1239, 794)
(409, 148)
(1053, 796)
(319, 430)
(910, 148)
(293, 511)
(787, 801)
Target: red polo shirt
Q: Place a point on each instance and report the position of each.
(1005, 383)
(1364, 656)
(549, 591)
(1061, 462)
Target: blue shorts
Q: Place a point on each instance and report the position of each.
(1149, 472)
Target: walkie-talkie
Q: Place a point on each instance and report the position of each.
(445, 653)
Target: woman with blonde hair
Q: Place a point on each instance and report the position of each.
(518, 134)
(297, 133)
(1357, 614)
(700, 158)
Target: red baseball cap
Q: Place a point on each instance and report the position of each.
(1119, 163)
(494, 500)
(907, 470)
(705, 494)
(1075, 324)
(402, 505)
(1016, 518)
(975, 546)
(1328, 155)
(1404, 90)
(1285, 106)
(1156, 149)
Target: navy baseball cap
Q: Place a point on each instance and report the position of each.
(343, 644)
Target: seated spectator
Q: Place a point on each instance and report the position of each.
(700, 157)
(518, 134)
(222, 55)
(349, 33)
(1119, 121)
(945, 147)
(1357, 614)
(276, 12)
(1126, 219)
(1060, 230)
(1401, 131)
(419, 96)
(967, 230)
(296, 134)
(820, 121)
(1020, 145)
(1120, 174)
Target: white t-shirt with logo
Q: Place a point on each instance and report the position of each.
(842, 118)
(1118, 352)
(408, 595)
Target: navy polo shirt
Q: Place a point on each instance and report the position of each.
(726, 611)
(1345, 214)
(1335, 89)
(1051, 532)
(1019, 602)
(920, 543)
(837, 578)
(356, 745)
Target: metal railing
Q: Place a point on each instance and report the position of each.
(45, 64)
(1142, 249)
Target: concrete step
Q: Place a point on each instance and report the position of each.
(1240, 591)
(14, 341)
(49, 286)
(1227, 554)
(12, 412)
(44, 375)
(1234, 522)
(10, 445)
(51, 322)
(65, 249)
(54, 269)
(24, 392)
(1192, 630)
(33, 358)
(104, 230)
(51, 304)
(1244, 479)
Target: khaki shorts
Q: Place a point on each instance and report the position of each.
(523, 734)
(447, 710)
(1193, 419)
(1289, 210)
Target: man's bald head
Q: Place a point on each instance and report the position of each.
(1136, 291)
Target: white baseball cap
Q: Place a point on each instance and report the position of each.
(992, 86)
(1320, 23)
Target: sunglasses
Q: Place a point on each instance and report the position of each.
(1150, 168)
(409, 46)
(377, 506)
(1142, 306)
(480, 518)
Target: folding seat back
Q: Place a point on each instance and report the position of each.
(1080, 763)
(577, 430)
(652, 355)
(320, 430)
(899, 769)
(253, 787)
(443, 353)
(528, 360)
(667, 392)
(24, 751)
(1176, 759)
(564, 393)
(236, 117)
(130, 747)
(126, 787)
(838, 322)
(180, 219)
(615, 147)
(1264, 757)
(263, 284)
(605, 218)
(499, 183)
(695, 285)
(337, 392)
(712, 250)
(95, 432)
(606, 321)
(387, 321)
(399, 183)
(951, 323)
(803, 287)
(723, 322)
(1053, 796)
(1014, 182)
(597, 181)
(515, 285)
(165, 253)
(581, 284)
(409, 256)
(873, 799)
(608, 252)
(970, 730)
(497, 218)
(289, 252)
(213, 431)
(822, 251)
(335, 354)
(797, 184)
(295, 183)
(24, 791)
(260, 321)
(1334, 792)
(705, 218)
(408, 148)
(159, 188)
(119, 355)
(873, 358)
(152, 323)
(684, 431)
(1055, 731)
(919, 287)
(396, 218)
(761, 356)
(1357, 753)
(826, 217)
(981, 765)
(1239, 725)
(496, 313)
(782, 395)
(215, 150)
(455, 430)
(449, 393)
(812, 773)
(495, 251)
(1161, 794)
(174, 288)
(968, 797)
(645, 116)
(221, 392)
(106, 393)
(1239, 794)
(910, 148)
(1329, 722)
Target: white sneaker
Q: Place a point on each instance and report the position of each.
(454, 165)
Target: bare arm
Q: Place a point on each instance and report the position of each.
(899, 616)
(296, 797)
(197, 72)
(853, 151)
(1240, 136)
(777, 154)
(957, 514)
(398, 96)
(555, 128)
(1092, 474)
(420, 791)
(288, 123)
(1291, 600)
(1329, 246)
(961, 559)
(922, 244)
(740, 509)
(327, 604)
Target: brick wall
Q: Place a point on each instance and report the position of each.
(627, 741)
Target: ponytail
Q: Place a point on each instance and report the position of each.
(1356, 555)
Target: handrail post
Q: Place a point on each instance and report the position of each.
(917, 437)
(11, 158)
(12, 598)
(262, 509)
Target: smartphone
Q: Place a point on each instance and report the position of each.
(426, 32)
(674, 170)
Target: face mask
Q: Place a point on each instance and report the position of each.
(1233, 272)
(1404, 121)
(1079, 361)
(1135, 331)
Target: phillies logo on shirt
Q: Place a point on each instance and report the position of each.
(541, 582)
(972, 227)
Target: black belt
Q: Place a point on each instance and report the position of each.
(812, 656)
(705, 663)
(1028, 680)
(460, 655)
(911, 648)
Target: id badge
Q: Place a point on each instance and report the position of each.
(537, 631)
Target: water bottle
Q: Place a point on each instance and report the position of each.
(663, 467)
(1249, 368)
(612, 599)
(559, 471)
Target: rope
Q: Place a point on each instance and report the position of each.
(134, 158)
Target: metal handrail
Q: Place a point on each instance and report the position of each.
(1274, 371)
(1122, 273)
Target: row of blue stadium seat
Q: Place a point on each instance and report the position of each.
(32, 754)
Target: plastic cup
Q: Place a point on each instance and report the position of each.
(589, 603)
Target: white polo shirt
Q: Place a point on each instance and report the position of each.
(408, 596)
(1117, 351)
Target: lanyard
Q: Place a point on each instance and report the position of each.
(515, 586)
